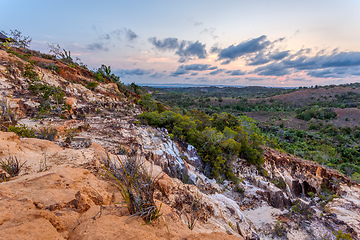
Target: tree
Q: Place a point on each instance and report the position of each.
(17, 39)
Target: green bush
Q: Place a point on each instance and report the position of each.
(92, 85)
(218, 139)
(22, 131)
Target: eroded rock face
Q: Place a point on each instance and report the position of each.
(301, 175)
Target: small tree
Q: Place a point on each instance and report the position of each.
(18, 39)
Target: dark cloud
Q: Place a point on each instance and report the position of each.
(188, 49)
(335, 65)
(131, 72)
(280, 55)
(259, 59)
(216, 71)
(185, 49)
(184, 69)
(273, 69)
(235, 73)
(97, 46)
(165, 44)
(197, 67)
(226, 62)
(330, 73)
(251, 46)
(341, 59)
(130, 35)
(326, 73)
(157, 75)
(179, 71)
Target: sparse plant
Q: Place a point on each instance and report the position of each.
(193, 215)
(7, 116)
(17, 39)
(279, 229)
(47, 133)
(11, 166)
(42, 165)
(136, 185)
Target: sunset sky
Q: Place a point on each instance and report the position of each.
(255, 42)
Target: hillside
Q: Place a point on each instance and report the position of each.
(87, 122)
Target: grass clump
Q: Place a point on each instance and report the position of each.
(136, 185)
(11, 166)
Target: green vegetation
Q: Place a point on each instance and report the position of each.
(50, 97)
(317, 138)
(218, 139)
(342, 236)
(315, 112)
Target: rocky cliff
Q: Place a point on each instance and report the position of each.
(63, 192)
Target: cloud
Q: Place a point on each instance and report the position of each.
(108, 39)
(341, 59)
(280, 55)
(273, 69)
(157, 75)
(226, 62)
(130, 35)
(98, 46)
(184, 69)
(259, 59)
(197, 67)
(216, 71)
(132, 72)
(251, 46)
(188, 49)
(165, 44)
(254, 79)
(330, 73)
(210, 31)
(185, 49)
(326, 73)
(236, 73)
(179, 71)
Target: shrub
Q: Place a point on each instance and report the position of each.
(92, 85)
(279, 229)
(342, 236)
(22, 131)
(47, 133)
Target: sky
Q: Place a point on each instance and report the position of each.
(276, 43)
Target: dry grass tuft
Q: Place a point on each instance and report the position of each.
(136, 185)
